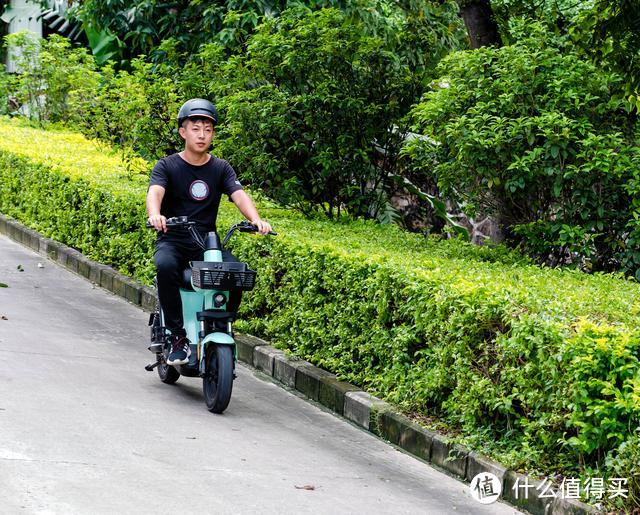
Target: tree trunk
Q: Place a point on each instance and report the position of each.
(480, 23)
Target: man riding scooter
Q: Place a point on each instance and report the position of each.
(191, 183)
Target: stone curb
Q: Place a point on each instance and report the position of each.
(364, 410)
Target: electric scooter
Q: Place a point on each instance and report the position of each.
(205, 292)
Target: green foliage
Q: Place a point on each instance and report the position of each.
(5, 90)
(417, 30)
(70, 191)
(537, 366)
(624, 462)
(55, 81)
(135, 111)
(313, 120)
(138, 27)
(604, 363)
(610, 33)
(540, 138)
(317, 121)
(311, 112)
(557, 15)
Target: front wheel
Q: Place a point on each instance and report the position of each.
(218, 380)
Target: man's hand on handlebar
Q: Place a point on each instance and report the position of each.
(159, 222)
(263, 226)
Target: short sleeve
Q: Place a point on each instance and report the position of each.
(159, 174)
(230, 182)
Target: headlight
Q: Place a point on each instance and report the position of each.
(219, 300)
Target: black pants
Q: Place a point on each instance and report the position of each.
(171, 257)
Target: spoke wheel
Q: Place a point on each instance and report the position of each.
(218, 380)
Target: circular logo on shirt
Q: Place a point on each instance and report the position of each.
(199, 190)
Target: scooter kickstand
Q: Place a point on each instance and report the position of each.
(151, 366)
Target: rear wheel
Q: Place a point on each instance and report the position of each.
(167, 373)
(218, 380)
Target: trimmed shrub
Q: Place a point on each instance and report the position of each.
(77, 192)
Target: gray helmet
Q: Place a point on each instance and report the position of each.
(197, 107)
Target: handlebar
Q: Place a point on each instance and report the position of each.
(175, 222)
(185, 223)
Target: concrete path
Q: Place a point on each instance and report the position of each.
(85, 429)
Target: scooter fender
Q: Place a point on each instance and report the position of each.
(217, 338)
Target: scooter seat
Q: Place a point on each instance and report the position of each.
(185, 284)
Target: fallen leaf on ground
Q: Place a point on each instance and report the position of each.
(305, 487)
(20, 269)
(2, 317)
(2, 285)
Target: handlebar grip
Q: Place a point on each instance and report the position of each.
(246, 226)
(176, 221)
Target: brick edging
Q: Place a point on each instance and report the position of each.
(364, 410)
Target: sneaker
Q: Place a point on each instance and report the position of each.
(180, 351)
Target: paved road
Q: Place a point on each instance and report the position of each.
(84, 429)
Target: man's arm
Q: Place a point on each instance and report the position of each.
(154, 201)
(246, 206)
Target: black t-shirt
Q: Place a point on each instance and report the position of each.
(194, 191)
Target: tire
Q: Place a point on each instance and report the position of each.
(218, 380)
(167, 373)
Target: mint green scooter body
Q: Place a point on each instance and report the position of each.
(199, 300)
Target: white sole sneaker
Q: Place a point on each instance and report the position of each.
(178, 362)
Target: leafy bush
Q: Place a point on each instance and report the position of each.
(135, 111)
(419, 31)
(313, 120)
(138, 28)
(535, 135)
(311, 112)
(538, 367)
(623, 463)
(608, 31)
(55, 82)
(5, 90)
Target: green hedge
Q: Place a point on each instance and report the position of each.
(538, 367)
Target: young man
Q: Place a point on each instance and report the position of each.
(191, 184)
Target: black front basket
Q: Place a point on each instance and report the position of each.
(209, 275)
